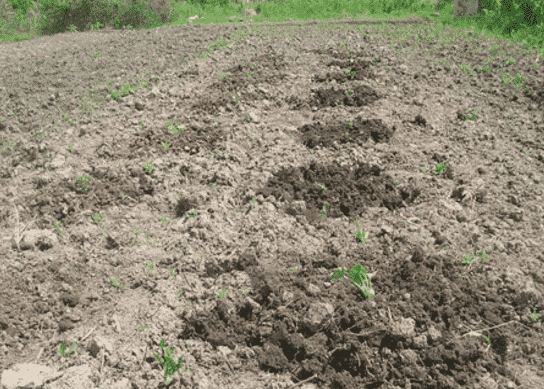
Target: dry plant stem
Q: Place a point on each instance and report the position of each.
(302, 382)
(186, 279)
(35, 360)
(88, 334)
(102, 366)
(131, 342)
(17, 231)
(228, 363)
(143, 357)
(491, 328)
(17, 238)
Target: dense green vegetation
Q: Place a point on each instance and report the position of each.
(521, 21)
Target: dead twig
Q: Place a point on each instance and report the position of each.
(489, 328)
(302, 382)
(17, 239)
(228, 363)
(102, 365)
(37, 358)
(18, 232)
(143, 358)
(478, 332)
(88, 333)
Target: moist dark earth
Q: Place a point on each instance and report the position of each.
(151, 193)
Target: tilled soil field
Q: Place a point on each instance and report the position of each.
(195, 191)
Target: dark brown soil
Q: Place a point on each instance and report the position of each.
(150, 193)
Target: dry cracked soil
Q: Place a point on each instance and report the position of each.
(154, 198)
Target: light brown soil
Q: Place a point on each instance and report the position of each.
(209, 205)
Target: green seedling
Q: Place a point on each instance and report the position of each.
(83, 181)
(215, 154)
(324, 214)
(137, 232)
(149, 268)
(117, 283)
(169, 365)
(59, 231)
(199, 262)
(149, 166)
(321, 186)
(469, 260)
(172, 127)
(361, 235)
(359, 277)
(246, 292)
(5, 152)
(473, 117)
(180, 293)
(70, 351)
(440, 167)
(221, 294)
(535, 316)
(116, 95)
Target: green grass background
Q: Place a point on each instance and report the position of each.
(518, 20)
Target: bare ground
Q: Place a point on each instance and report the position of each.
(210, 211)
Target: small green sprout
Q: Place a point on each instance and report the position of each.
(169, 365)
(359, 277)
(70, 351)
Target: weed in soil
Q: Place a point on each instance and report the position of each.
(158, 194)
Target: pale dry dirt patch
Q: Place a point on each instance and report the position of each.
(154, 197)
